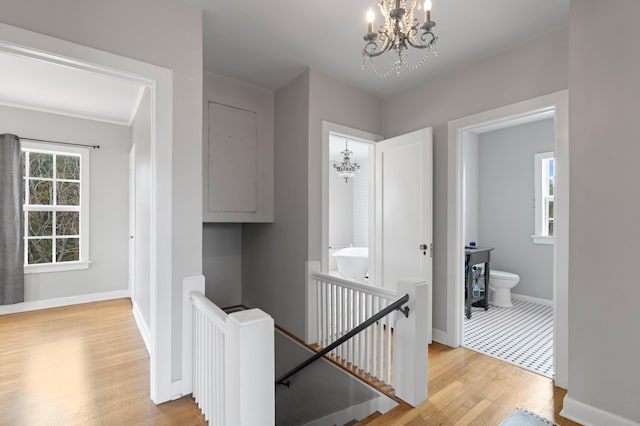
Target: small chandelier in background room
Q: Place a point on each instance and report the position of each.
(401, 30)
(346, 169)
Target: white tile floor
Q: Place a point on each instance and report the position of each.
(522, 335)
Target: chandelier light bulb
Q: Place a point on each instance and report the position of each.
(370, 17)
(427, 10)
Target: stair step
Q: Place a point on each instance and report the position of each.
(353, 422)
(371, 417)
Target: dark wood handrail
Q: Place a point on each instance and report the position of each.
(383, 313)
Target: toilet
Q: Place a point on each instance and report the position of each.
(500, 285)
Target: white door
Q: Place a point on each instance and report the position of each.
(404, 192)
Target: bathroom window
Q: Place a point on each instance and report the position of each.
(544, 198)
(55, 208)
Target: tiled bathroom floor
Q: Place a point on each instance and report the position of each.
(522, 335)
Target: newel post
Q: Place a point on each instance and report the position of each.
(250, 369)
(411, 342)
(311, 291)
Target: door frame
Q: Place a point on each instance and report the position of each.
(132, 221)
(329, 128)
(558, 102)
(28, 44)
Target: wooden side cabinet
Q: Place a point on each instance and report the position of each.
(238, 158)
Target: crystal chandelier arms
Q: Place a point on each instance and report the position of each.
(423, 38)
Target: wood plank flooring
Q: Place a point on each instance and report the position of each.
(87, 365)
(469, 388)
(80, 365)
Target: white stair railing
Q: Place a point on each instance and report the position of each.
(233, 364)
(393, 350)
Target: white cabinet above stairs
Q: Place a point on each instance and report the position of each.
(237, 152)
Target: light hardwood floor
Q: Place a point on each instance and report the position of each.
(87, 365)
(80, 365)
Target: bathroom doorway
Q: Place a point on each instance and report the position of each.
(400, 174)
(502, 166)
(552, 107)
(351, 207)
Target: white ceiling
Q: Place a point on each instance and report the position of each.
(44, 86)
(268, 43)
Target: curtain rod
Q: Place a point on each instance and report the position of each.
(61, 143)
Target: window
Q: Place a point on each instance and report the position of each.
(544, 198)
(55, 208)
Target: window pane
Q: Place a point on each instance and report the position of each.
(550, 210)
(68, 223)
(40, 165)
(40, 191)
(39, 251)
(67, 249)
(40, 224)
(68, 194)
(67, 167)
(551, 228)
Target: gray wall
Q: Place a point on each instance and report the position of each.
(506, 213)
(531, 69)
(108, 219)
(274, 255)
(222, 262)
(222, 243)
(604, 70)
(333, 100)
(166, 33)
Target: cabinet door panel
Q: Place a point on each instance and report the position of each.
(232, 159)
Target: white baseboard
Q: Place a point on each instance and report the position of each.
(532, 299)
(143, 328)
(62, 301)
(591, 416)
(440, 336)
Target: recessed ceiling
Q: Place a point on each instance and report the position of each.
(268, 43)
(43, 86)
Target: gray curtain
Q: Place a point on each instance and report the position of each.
(11, 221)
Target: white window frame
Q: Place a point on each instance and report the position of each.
(541, 173)
(83, 262)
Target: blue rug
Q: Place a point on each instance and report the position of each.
(526, 418)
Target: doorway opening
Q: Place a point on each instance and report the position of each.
(511, 318)
(351, 207)
(556, 105)
(157, 82)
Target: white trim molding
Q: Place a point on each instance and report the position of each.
(591, 416)
(440, 336)
(143, 327)
(35, 305)
(557, 105)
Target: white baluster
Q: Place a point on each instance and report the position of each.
(388, 347)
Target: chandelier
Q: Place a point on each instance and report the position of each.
(346, 169)
(401, 29)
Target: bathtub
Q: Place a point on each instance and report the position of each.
(353, 262)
